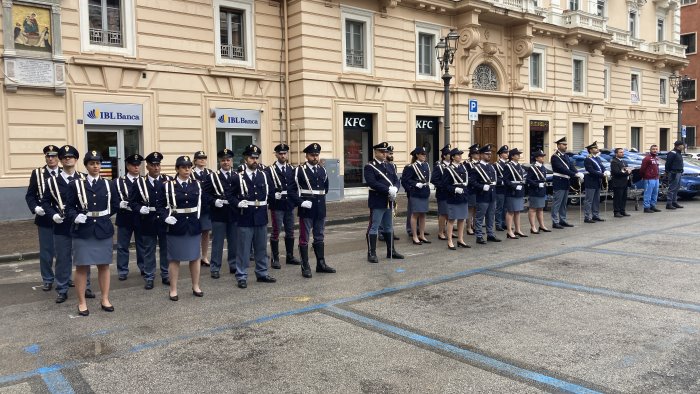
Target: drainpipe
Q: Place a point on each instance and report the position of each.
(286, 73)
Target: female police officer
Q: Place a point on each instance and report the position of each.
(183, 200)
(90, 203)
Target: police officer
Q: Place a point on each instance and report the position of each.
(223, 216)
(148, 195)
(127, 220)
(383, 186)
(54, 203)
(537, 191)
(250, 194)
(564, 171)
(200, 172)
(390, 162)
(183, 200)
(619, 181)
(483, 178)
(514, 180)
(281, 209)
(594, 177)
(501, 187)
(416, 179)
(91, 203)
(33, 197)
(441, 194)
(470, 163)
(456, 180)
(308, 192)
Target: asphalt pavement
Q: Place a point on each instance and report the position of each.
(606, 307)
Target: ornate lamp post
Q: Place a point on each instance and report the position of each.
(445, 50)
(680, 85)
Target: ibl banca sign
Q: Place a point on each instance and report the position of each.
(112, 114)
(227, 118)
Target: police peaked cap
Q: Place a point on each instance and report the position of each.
(679, 142)
(50, 150)
(154, 158)
(134, 159)
(539, 153)
(199, 155)
(313, 148)
(68, 151)
(446, 150)
(593, 145)
(503, 149)
(282, 148)
(183, 161)
(382, 146)
(561, 140)
(390, 149)
(474, 149)
(92, 155)
(252, 151)
(514, 151)
(455, 151)
(485, 149)
(419, 151)
(226, 153)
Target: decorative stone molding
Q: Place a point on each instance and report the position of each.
(384, 5)
(469, 38)
(490, 48)
(522, 48)
(571, 41)
(598, 48)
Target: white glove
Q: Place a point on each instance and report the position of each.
(170, 220)
(306, 204)
(393, 190)
(219, 203)
(541, 184)
(144, 210)
(420, 185)
(459, 190)
(123, 204)
(431, 186)
(278, 196)
(39, 211)
(579, 175)
(243, 204)
(81, 218)
(607, 174)
(519, 187)
(487, 187)
(57, 218)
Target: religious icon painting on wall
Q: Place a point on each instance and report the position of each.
(32, 27)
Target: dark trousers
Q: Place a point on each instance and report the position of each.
(46, 253)
(315, 227)
(282, 219)
(255, 238)
(619, 199)
(124, 234)
(221, 231)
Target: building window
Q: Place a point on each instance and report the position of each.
(634, 88)
(357, 33)
(606, 137)
(578, 132)
(537, 71)
(107, 26)
(600, 8)
(485, 77)
(689, 40)
(690, 94)
(633, 24)
(234, 41)
(606, 82)
(578, 71)
(659, 30)
(663, 91)
(426, 60)
(635, 135)
(690, 138)
(574, 5)
(686, 2)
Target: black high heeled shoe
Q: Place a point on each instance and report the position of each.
(198, 293)
(513, 237)
(83, 313)
(546, 230)
(463, 245)
(417, 243)
(534, 232)
(425, 241)
(451, 247)
(442, 238)
(107, 308)
(521, 235)
(174, 298)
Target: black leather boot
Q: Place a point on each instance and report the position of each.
(390, 250)
(305, 268)
(319, 250)
(289, 246)
(372, 248)
(275, 258)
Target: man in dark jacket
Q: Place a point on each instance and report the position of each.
(620, 176)
(674, 170)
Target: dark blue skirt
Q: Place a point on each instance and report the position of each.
(536, 202)
(442, 207)
(514, 204)
(184, 247)
(92, 251)
(205, 221)
(419, 204)
(457, 211)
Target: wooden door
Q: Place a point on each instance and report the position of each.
(485, 132)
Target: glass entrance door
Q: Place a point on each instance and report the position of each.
(237, 141)
(106, 142)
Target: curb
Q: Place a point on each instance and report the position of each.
(19, 257)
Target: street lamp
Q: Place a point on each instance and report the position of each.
(680, 85)
(445, 50)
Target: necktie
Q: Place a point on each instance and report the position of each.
(315, 170)
(70, 178)
(253, 177)
(53, 173)
(94, 181)
(227, 176)
(184, 185)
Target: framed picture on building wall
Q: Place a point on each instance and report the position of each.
(32, 27)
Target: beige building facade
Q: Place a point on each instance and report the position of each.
(126, 76)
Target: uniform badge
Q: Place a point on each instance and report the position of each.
(94, 153)
(187, 158)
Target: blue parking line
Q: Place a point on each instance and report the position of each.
(685, 260)
(597, 290)
(472, 357)
(55, 381)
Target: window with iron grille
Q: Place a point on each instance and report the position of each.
(633, 24)
(600, 8)
(232, 34)
(485, 77)
(354, 43)
(426, 58)
(660, 29)
(606, 83)
(105, 18)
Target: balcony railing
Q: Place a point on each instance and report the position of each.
(667, 48)
(106, 37)
(620, 36)
(232, 52)
(516, 5)
(355, 58)
(585, 20)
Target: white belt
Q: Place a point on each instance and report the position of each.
(314, 192)
(256, 203)
(185, 210)
(561, 175)
(284, 193)
(151, 209)
(97, 214)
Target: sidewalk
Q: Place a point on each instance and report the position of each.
(21, 241)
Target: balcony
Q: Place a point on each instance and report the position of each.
(622, 37)
(516, 5)
(105, 37)
(584, 20)
(232, 52)
(667, 48)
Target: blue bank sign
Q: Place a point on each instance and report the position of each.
(112, 114)
(237, 118)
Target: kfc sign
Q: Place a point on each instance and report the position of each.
(426, 124)
(357, 121)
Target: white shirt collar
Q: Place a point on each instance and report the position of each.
(65, 175)
(281, 166)
(131, 177)
(249, 172)
(90, 178)
(153, 180)
(311, 167)
(447, 163)
(483, 162)
(180, 181)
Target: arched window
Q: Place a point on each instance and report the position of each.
(485, 77)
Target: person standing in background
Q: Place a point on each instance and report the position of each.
(674, 171)
(650, 175)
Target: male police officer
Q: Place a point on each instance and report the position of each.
(149, 194)
(127, 220)
(223, 216)
(564, 171)
(383, 187)
(441, 192)
(54, 204)
(483, 177)
(592, 183)
(35, 193)
(281, 210)
(200, 172)
(501, 188)
(250, 193)
(308, 192)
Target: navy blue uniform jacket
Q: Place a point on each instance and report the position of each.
(595, 169)
(514, 176)
(152, 196)
(535, 176)
(100, 197)
(562, 165)
(281, 180)
(453, 177)
(379, 177)
(413, 174)
(216, 187)
(438, 172)
(309, 187)
(500, 167)
(50, 204)
(179, 197)
(125, 187)
(35, 193)
(480, 175)
(202, 176)
(244, 188)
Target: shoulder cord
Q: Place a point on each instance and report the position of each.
(499, 169)
(143, 189)
(216, 181)
(381, 173)
(455, 176)
(199, 198)
(109, 197)
(516, 174)
(80, 187)
(119, 189)
(53, 188)
(482, 174)
(244, 186)
(39, 174)
(537, 172)
(418, 172)
(275, 178)
(306, 177)
(562, 160)
(170, 191)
